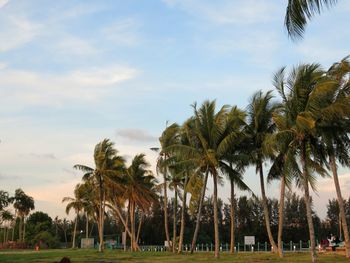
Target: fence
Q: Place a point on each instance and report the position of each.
(225, 247)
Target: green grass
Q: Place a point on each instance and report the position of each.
(109, 256)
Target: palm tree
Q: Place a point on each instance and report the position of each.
(168, 137)
(107, 164)
(6, 217)
(236, 161)
(333, 126)
(23, 204)
(77, 204)
(296, 125)
(259, 127)
(300, 11)
(139, 190)
(212, 137)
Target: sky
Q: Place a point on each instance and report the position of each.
(74, 72)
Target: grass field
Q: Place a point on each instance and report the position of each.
(109, 256)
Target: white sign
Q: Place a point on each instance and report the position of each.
(249, 240)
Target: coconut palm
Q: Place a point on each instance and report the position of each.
(300, 11)
(23, 204)
(233, 168)
(107, 165)
(168, 137)
(213, 136)
(139, 190)
(259, 127)
(332, 123)
(7, 218)
(296, 125)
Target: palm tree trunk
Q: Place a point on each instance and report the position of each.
(308, 204)
(174, 219)
(232, 215)
(166, 225)
(139, 229)
(100, 230)
(216, 218)
(333, 166)
(183, 210)
(125, 224)
(13, 232)
(87, 225)
(132, 225)
(266, 210)
(199, 212)
(281, 217)
(24, 229)
(75, 231)
(20, 227)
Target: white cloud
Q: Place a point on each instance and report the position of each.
(122, 32)
(2, 65)
(240, 12)
(71, 45)
(28, 87)
(16, 31)
(3, 3)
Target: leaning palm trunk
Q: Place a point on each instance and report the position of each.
(132, 225)
(266, 210)
(281, 217)
(232, 215)
(333, 166)
(139, 229)
(182, 228)
(174, 220)
(308, 205)
(216, 219)
(196, 231)
(74, 231)
(166, 226)
(125, 224)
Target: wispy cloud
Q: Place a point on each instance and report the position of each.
(136, 135)
(3, 3)
(28, 87)
(4, 177)
(71, 45)
(16, 31)
(228, 11)
(50, 156)
(122, 32)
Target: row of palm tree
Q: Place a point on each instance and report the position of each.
(302, 135)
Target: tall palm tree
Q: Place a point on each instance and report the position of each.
(6, 217)
(213, 136)
(259, 127)
(107, 164)
(139, 190)
(76, 204)
(23, 204)
(296, 125)
(332, 123)
(233, 168)
(168, 137)
(298, 13)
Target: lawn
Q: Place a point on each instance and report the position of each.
(109, 256)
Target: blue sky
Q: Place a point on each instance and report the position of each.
(75, 72)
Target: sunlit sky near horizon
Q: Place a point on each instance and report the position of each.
(75, 72)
